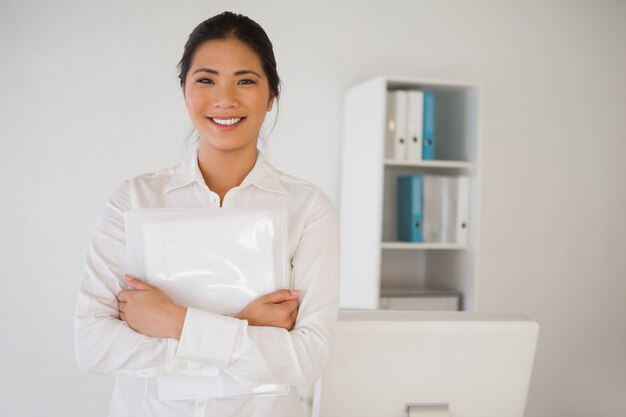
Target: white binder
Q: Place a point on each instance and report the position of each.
(396, 141)
(447, 218)
(446, 209)
(433, 209)
(462, 210)
(415, 127)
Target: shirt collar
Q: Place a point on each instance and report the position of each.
(262, 175)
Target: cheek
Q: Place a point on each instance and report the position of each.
(195, 102)
(260, 105)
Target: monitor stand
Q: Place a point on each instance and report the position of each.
(427, 410)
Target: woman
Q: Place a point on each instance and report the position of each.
(229, 82)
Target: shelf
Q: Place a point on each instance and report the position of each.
(429, 164)
(373, 260)
(421, 246)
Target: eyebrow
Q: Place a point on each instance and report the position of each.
(212, 71)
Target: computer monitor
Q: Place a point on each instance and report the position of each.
(393, 364)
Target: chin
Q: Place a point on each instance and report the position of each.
(227, 145)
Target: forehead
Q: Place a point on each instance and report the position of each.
(226, 54)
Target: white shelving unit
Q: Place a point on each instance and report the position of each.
(373, 262)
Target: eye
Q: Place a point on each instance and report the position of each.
(247, 81)
(204, 81)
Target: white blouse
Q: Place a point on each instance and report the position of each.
(209, 341)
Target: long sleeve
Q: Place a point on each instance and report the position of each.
(270, 355)
(104, 343)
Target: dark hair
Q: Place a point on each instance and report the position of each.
(228, 25)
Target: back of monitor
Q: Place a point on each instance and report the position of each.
(473, 365)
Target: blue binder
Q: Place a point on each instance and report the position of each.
(428, 150)
(410, 208)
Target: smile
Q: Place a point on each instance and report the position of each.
(227, 122)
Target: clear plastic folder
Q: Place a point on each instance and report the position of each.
(217, 260)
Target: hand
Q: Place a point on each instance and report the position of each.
(276, 309)
(148, 310)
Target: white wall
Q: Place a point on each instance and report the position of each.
(89, 96)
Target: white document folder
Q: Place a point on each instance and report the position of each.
(216, 260)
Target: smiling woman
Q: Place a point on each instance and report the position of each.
(229, 82)
(227, 95)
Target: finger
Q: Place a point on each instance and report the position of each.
(295, 309)
(121, 306)
(136, 283)
(280, 296)
(289, 305)
(122, 295)
(294, 314)
(123, 316)
(292, 320)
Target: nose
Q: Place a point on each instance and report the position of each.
(225, 97)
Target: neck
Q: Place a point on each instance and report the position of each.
(224, 170)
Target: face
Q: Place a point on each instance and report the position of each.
(227, 95)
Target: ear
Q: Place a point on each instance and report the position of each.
(270, 103)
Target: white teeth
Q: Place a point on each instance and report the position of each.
(226, 122)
